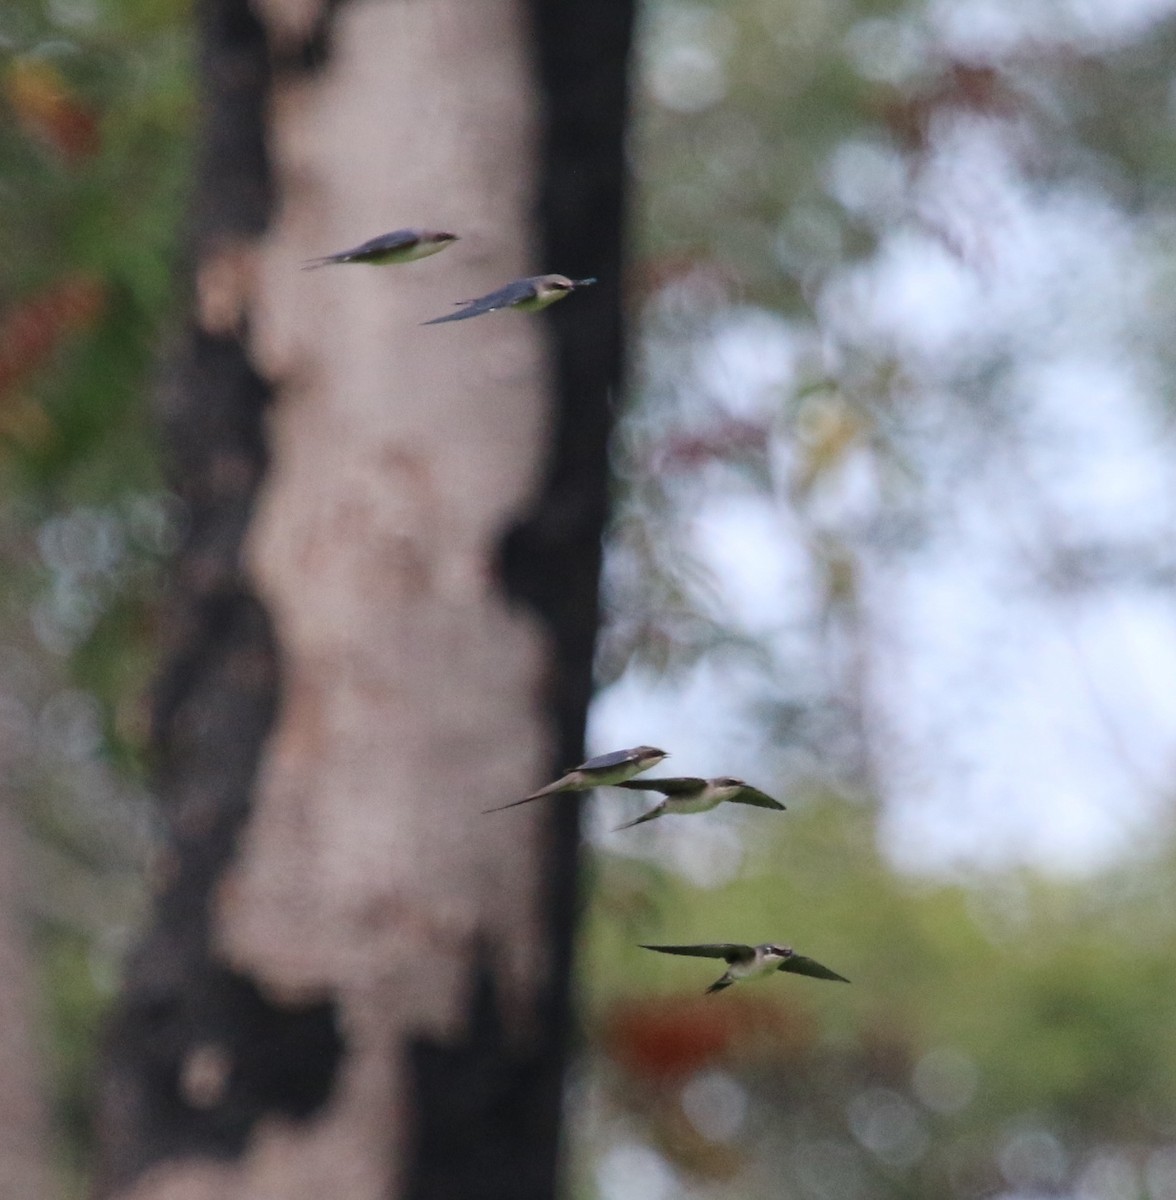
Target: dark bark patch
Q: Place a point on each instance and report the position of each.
(195, 1054)
(482, 1109)
(488, 1111)
(212, 1056)
(550, 560)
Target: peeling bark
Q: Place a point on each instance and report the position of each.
(355, 982)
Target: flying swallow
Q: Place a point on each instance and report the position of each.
(527, 295)
(399, 246)
(690, 795)
(601, 771)
(752, 962)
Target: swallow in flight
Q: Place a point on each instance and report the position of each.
(399, 246)
(527, 295)
(601, 771)
(690, 795)
(752, 962)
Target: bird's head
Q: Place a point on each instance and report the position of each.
(728, 783)
(560, 284)
(649, 756)
(771, 950)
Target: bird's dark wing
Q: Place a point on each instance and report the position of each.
(395, 240)
(799, 965)
(750, 795)
(512, 293)
(616, 758)
(719, 984)
(682, 786)
(728, 951)
(649, 816)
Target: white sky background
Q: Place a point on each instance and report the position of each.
(1020, 724)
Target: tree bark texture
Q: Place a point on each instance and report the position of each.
(356, 984)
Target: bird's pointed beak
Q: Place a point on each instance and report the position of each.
(577, 283)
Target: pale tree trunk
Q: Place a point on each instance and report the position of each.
(356, 985)
(24, 1125)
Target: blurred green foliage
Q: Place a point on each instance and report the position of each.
(1007, 1031)
(1018, 1026)
(96, 108)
